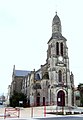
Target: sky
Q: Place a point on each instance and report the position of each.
(25, 29)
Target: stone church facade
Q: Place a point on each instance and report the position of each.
(53, 83)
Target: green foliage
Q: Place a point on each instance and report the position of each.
(16, 98)
(81, 102)
(80, 88)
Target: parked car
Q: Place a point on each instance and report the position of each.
(1, 103)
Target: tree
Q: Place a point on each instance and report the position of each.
(80, 88)
(16, 98)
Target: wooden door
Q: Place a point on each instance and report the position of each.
(61, 98)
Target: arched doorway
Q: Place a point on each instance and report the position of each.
(38, 99)
(43, 101)
(61, 98)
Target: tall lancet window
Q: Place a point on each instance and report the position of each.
(57, 48)
(60, 76)
(61, 49)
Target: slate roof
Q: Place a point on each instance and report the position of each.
(21, 72)
(37, 76)
(56, 20)
(57, 37)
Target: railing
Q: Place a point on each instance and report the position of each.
(12, 113)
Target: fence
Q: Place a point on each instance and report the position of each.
(12, 113)
(39, 111)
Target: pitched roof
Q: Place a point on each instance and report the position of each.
(21, 72)
(56, 20)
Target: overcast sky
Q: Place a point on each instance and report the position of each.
(26, 27)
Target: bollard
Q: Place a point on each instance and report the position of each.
(44, 111)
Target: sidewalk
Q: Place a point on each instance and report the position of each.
(32, 112)
(36, 112)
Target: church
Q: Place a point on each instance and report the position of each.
(53, 82)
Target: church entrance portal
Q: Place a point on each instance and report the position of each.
(38, 101)
(61, 98)
(43, 101)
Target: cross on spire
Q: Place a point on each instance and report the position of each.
(56, 12)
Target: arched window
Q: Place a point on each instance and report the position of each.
(60, 76)
(57, 48)
(61, 48)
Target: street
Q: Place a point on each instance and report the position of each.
(62, 118)
(52, 118)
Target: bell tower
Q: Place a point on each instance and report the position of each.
(58, 66)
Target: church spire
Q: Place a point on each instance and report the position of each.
(56, 24)
(56, 12)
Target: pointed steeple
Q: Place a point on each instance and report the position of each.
(56, 24)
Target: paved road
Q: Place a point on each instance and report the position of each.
(61, 118)
(51, 118)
